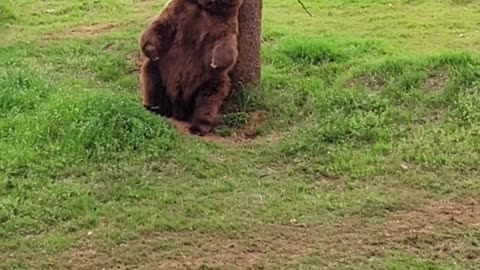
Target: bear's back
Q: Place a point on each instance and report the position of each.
(187, 62)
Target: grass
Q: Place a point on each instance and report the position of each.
(367, 157)
(6, 13)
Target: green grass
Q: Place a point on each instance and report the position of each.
(6, 13)
(368, 157)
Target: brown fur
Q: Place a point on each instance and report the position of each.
(191, 48)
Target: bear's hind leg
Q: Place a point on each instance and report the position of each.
(154, 94)
(207, 104)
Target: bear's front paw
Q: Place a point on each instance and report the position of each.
(151, 52)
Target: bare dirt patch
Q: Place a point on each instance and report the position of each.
(372, 82)
(436, 82)
(243, 134)
(427, 218)
(440, 230)
(241, 126)
(92, 30)
(443, 231)
(191, 250)
(81, 31)
(429, 117)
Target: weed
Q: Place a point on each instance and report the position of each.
(6, 12)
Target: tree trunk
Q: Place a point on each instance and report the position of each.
(248, 69)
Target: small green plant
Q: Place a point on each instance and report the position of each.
(223, 131)
(6, 12)
(235, 120)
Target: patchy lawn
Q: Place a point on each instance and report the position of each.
(360, 151)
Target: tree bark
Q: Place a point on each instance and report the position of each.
(247, 72)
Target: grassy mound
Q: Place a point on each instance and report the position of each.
(22, 91)
(6, 12)
(44, 127)
(47, 133)
(384, 108)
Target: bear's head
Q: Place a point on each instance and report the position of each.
(220, 6)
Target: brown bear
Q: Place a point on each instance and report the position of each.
(191, 47)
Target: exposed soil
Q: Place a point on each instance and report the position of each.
(245, 131)
(429, 117)
(93, 30)
(436, 82)
(243, 134)
(435, 231)
(84, 30)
